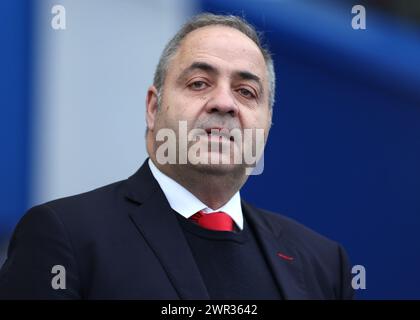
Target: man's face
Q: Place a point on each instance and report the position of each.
(216, 80)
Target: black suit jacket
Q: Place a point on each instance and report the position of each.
(123, 241)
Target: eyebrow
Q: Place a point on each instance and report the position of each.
(244, 75)
(198, 66)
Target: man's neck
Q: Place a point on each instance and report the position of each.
(213, 189)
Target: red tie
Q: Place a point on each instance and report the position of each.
(218, 221)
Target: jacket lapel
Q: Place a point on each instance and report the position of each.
(158, 225)
(282, 256)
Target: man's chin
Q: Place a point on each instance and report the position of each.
(218, 168)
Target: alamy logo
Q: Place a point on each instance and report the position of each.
(59, 280)
(221, 146)
(359, 280)
(58, 21)
(359, 20)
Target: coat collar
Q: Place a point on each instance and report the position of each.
(158, 225)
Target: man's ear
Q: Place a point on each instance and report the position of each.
(151, 107)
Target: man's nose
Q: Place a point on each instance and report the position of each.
(222, 101)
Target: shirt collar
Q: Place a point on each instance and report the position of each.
(187, 204)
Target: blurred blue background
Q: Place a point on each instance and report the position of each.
(344, 150)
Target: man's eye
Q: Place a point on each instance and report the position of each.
(198, 85)
(246, 93)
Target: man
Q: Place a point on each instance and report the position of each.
(177, 228)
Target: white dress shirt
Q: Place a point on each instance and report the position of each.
(187, 204)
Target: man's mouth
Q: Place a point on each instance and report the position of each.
(219, 132)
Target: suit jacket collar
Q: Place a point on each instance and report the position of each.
(159, 227)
